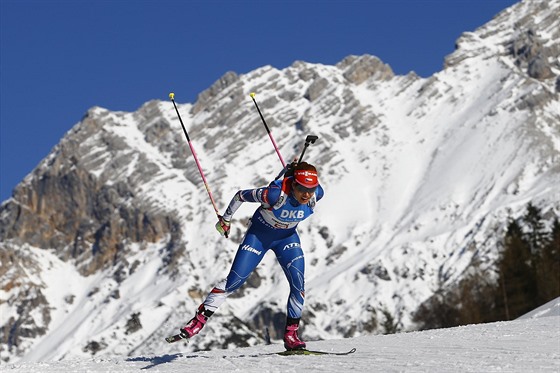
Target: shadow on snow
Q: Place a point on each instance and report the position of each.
(158, 360)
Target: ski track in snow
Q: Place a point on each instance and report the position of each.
(524, 345)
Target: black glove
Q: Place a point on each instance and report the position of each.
(290, 169)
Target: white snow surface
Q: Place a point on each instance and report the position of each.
(527, 345)
(551, 308)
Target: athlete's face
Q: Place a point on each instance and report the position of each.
(301, 193)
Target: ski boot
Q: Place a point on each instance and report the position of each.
(291, 339)
(194, 326)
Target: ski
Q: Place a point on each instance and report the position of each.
(293, 352)
(174, 338)
(312, 352)
(178, 337)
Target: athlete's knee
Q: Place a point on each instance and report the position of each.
(234, 281)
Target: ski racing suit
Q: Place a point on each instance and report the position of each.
(272, 227)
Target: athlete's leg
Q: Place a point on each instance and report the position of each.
(290, 256)
(248, 256)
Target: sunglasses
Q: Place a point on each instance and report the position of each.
(304, 189)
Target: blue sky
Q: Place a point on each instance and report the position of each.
(60, 58)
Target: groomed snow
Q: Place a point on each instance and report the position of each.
(525, 345)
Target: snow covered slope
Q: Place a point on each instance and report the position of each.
(515, 346)
(109, 245)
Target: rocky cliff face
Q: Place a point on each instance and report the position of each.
(111, 237)
(88, 217)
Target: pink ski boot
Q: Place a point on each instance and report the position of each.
(196, 324)
(291, 339)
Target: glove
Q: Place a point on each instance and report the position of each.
(222, 226)
(290, 168)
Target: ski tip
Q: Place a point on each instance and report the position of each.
(252, 94)
(172, 95)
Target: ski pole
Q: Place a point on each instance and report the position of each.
(310, 139)
(172, 97)
(268, 131)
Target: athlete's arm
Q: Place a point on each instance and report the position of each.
(267, 196)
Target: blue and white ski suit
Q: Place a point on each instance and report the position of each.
(272, 227)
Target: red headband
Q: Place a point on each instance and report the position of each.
(307, 178)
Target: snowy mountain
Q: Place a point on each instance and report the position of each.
(109, 244)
